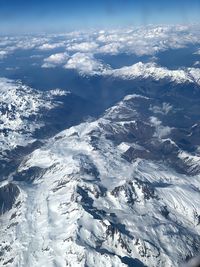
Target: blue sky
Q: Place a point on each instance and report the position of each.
(18, 16)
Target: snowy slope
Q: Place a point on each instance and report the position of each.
(151, 70)
(21, 111)
(99, 197)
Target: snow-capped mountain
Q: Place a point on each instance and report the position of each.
(108, 173)
(150, 70)
(117, 191)
(21, 110)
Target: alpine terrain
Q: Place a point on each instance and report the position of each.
(100, 148)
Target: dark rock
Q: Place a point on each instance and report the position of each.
(8, 196)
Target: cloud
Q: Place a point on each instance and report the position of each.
(50, 46)
(83, 47)
(147, 40)
(161, 131)
(164, 109)
(3, 54)
(10, 44)
(85, 64)
(55, 60)
(112, 48)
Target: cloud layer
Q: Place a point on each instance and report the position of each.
(81, 50)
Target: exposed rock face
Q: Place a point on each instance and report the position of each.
(8, 195)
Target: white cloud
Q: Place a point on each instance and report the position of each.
(85, 64)
(164, 109)
(49, 46)
(161, 131)
(3, 54)
(112, 48)
(141, 41)
(55, 60)
(148, 40)
(10, 44)
(83, 47)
